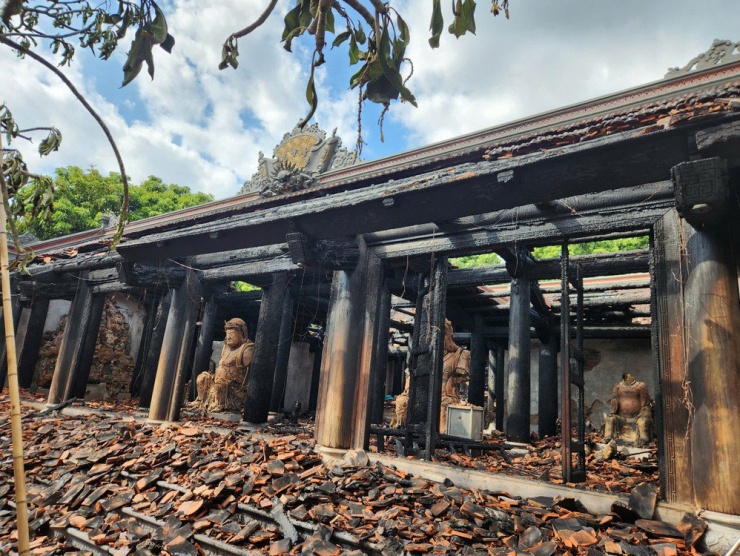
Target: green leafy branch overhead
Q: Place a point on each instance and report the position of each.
(374, 34)
(38, 203)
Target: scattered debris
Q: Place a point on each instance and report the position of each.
(97, 473)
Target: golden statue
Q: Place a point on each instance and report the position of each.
(630, 404)
(455, 371)
(226, 389)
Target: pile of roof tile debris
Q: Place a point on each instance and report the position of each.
(541, 460)
(109, 481)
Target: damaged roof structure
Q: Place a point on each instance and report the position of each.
(344, 253)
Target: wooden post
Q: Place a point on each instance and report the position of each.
(500, 398)
(518, 370)
(317, 349)
(712, 316)
(175, 353)
(285, 339)
(336, 389)
(154, 349)
(33, 331)
(372, 300)
(150, 305)
(478, 363)
(548, 386)
(92, 327)
(381, 356)
(184, 369)
(344, 390)
(434, 337)
(204, 345)
(73, 341)
(262, 369)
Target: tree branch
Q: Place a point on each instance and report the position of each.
(362, 11)
(379, 6)
(96, 117)
(260, 20)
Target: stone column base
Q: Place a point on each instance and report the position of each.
(331, 453)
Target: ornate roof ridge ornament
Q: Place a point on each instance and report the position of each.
(298, 161)
(721, 52)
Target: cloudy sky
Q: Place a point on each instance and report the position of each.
(194, 125)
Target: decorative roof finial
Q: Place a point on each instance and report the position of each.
(720, 53)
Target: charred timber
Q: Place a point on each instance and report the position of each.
(632, 332)
(267, 336)
(30, 336)
(308, 252)
(480, 187)
(258, 273)
(239, 256)
(160, 275)
(628, 215)
(77, 264)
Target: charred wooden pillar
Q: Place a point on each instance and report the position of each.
(175, 354)
(548, 386)
(342, 418)
(150, 306)
(478, 363)
(380, 368)
(204, 344)
(73, 342)
(399, 375)
(697, 314)
(285, 338)
(518, 369)
(17, 309)
(425, 392)
(153, 346)
(317, 349)
(262, 369)
(712, 312)
(30, 335)
(373, 302)
(92, 327)
(500, 398)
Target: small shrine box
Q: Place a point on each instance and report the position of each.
(465, 421)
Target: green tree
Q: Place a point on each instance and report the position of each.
(593, 247)
(81, 197)
(553, 251)
(153, 197)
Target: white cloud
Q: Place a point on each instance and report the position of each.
(550, 54)
(198, 126)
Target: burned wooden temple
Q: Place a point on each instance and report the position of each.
(347, 255)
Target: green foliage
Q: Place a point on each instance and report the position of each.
(81, 197)
(244, 286)
(593, 247)
(476, 260)
(98, 26)
(553, 251)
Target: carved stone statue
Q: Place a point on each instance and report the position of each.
(402, 405)
(455, 371)
(630, 404)
(225, 390)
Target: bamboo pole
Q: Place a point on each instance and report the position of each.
(15, 402)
